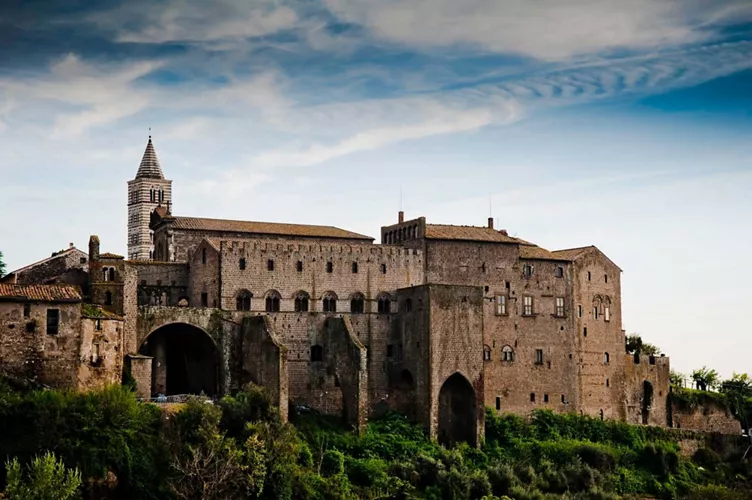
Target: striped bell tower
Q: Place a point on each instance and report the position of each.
(145, 193)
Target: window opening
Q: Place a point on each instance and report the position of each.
(527, 303)
(355, 268)
(501, 305)
(357, 304)
(539, 356)
(507, 353)
(270, 265)
(317, 353)
(486, 353)
(242, 264)
(301, 302)
(27, 310)
(560, 307)
(498, 403)
(53, 321)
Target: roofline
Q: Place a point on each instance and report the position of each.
(522, 243)
(173, 218)
(67, 250)
(591, 247)
(19, 298)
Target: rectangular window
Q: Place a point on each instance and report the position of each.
(595, 312)
(501, 305)
(498, 403)
(270, 265)
(389, 351)
(53, 321)
(539, 356)
(579, 311)
(383, 268)
(607, 313)
(27, 310)
(355, 268)
(527, 270)
(545, 398)
(559, 307)
(559, 272)
(527, 305)
(204, 299)
(300, 266)
(563, 399)
(242, 264)
(532, 397)
(329, 267)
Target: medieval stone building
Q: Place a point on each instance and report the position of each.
(436, 321)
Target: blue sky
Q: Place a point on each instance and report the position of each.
(621, 124)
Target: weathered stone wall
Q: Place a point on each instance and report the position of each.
(101, 353)
(639, 372)
(346, 359)
(51, 268)
(264, 360)
(140, 369)
(107, 292)
(161, 283)
(600, 339)
(205, 277)
(27, 351)
(707, 417)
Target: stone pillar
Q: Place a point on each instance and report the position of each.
(140, 369)
(159, 368)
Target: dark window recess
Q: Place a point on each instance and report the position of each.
(203, 255)
(108, 298)
(383, 268)
(563, 399)
(27, 310)
(607, 383)
(399, 352)
(485, 288)
(532, 397)
(31, 326)
(143, 282)
(357, 304)
(300, 266)
(384, 305)
(317, 353)
(559, 272)
(83, 260)
(98, 324)
(242, 264)
(204, 299)
(548, 364)
(584, 331)
(53, 321)
(651, 360)
(588, 275)
(329, 267)
(159, 282)
(330, 304)
(409, 305)
(270, 265)
(539, 356)
(483, 268)
(355, 268)
(545, 398)
(301, 303)
(498, 403)
(243, 302)
(605, 278)
(527, 270)
(389, 351)
(508, 285)
(272, 303)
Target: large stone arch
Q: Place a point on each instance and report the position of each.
(186, 360)
(458, 420)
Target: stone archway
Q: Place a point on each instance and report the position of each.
(185, 360)
(457, 412)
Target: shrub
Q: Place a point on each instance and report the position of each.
(502, 479)
(305, 457)
(47, 478)
(332, 463)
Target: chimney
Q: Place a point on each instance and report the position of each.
(401, 217)
(70, 245)
(504, 232)
(490, 223)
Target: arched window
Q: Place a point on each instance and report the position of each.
(108, 298)
(105, 274)
(272, 301)
(606, 357)
(329, 302)
(301, 302)
(486, 353)
(357, 303)
(384, 304)
(317, 353)
(507, 353)
(243, 302)
(112, 274)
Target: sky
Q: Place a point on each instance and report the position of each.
(626, 125)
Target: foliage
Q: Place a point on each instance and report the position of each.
(2, 265)
(705, 379)
(635, 345)
(738, 393)
(47, 478)
(677, 379)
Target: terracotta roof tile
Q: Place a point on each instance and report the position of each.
(572, 253)
(110, 256)
(272, 228)
(40, 293)
(538, 253)
(469, 233)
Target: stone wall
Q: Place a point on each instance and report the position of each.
(140, 369)
(205, 279)
(706, 417)
(645, 375)
(346, 359)
(264, 360)
(51, 268)
(101, 353)
(162, 283)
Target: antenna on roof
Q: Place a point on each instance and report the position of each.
(149, 132)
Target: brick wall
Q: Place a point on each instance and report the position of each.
(346, 357)
(640, 370)
(264, 360)
(51, 268)
(707, 417)
(140, 368)
(205, 277)
(162, 283)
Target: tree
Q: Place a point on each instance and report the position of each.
(47, 478)
(738, 392)
(677, 379)
(2, 265)
(635, 345)
(705, 379)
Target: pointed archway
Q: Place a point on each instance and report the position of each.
(186, 360)
(457, 412)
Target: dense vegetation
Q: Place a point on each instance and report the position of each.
(238, 448)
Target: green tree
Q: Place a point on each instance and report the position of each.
(47, 478)
(635, 345)
(677, 379)
(705, 379)
(2, 265)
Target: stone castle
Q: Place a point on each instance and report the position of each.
(435, 321)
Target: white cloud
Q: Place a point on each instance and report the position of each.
(544, 29)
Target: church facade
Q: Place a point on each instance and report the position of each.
(435, 321)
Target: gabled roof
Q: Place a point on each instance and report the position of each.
(267, 228)
(575, 253)
(54, 256)
(470, 233)
(538, 253)
(39, 293)
(108, 255)
(149, 168)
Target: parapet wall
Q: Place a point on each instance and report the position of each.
(646, 389)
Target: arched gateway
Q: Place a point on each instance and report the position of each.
(457, 412)
(185, 360)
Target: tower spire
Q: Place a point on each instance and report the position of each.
(149, 168)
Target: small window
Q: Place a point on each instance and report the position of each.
(559, 272)
(559, 307)
(108, 298)
(507, 353)
(27, 310)
(272, 302)
(389, 351)
(601, 413)
(330, 303)
(355, 268)
(82, 260)
(242, 303)
(527, 270)
(608, 384)
(527, 305)
(112, 274)
(498, 403)
(408, 305)
(605, 278)
(563, 399)
(400, 352)
(606, 358)
(53, 321)
(607, 313)
(588, 275)
(330, 267)
(317, 353)
(584, 331)
(384, 305)
(383, 268)
(595, 312)
(301, 302)
(545, 398)
(357, 304)
(486, 353)
(501, 305)
(204, 299)
(98, 324)
(579, 311)
(532, 397)
(300, 266)
(539, 356)
(242, 264)
(203, 255)
(270, 265)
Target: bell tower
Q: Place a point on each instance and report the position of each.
(145, 193)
